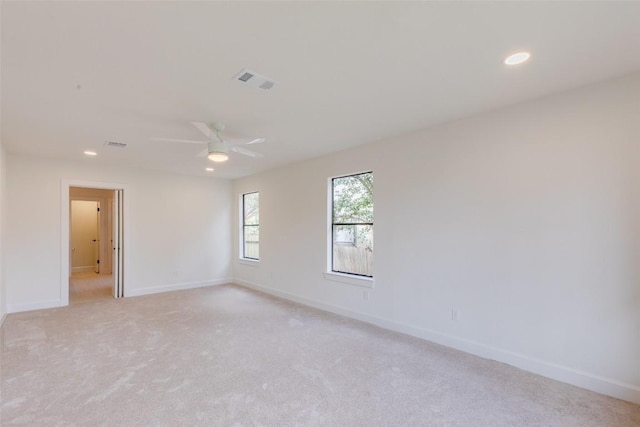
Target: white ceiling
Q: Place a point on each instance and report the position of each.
(75, 74)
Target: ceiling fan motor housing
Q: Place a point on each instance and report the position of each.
(218, 147)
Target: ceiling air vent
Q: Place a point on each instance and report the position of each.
(115, 144)
(254, 80)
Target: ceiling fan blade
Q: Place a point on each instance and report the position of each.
(189, 141)
(245, 152)
(203, 153)
(205, 129)
(245, 141)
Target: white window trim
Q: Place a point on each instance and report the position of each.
(241, 258)
(329, 274)
(350, 279)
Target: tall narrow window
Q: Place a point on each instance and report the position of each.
(352, 224)
(251, 226)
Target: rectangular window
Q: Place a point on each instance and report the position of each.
(251, 226)
(352, 224)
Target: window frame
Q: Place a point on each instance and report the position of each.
(244, 225)
(331, 273)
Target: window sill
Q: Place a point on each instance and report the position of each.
(247, 261)
(366, 282)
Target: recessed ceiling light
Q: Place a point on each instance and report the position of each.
(90, 153)
(517, 58)
(209, 169)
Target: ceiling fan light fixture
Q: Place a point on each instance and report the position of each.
(218, 151)
(218, 157)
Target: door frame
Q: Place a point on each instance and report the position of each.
(65, 272)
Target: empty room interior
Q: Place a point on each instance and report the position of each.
(320, 213)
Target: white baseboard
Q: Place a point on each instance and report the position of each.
(174, 287)
(17, 308)
(83, 269)
(572, 376)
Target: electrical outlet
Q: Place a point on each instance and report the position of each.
(455, 315)
(365, 295)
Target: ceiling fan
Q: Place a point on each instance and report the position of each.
(217, 147)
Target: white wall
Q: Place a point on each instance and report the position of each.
(179, 229)
(526, 220)
(3, 205)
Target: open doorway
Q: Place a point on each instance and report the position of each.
(93, 261)
(86, 237)
(91, 242)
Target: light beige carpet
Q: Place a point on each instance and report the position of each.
(89, 286)
(228, 356)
